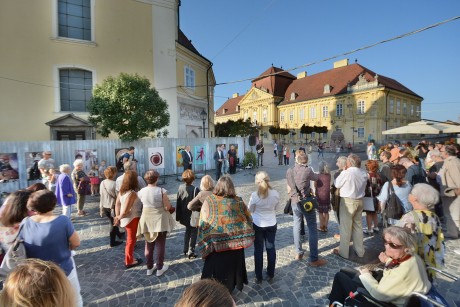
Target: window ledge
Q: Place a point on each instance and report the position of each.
(74, 41)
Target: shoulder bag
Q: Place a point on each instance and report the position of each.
(306, 204)
(15, 255)
(370, 203)
(394, 207)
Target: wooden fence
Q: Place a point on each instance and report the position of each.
(64, 153)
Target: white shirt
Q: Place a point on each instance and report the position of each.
(263, 210)
(352, 183)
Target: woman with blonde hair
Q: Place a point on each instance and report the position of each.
(263, 205)
(128, 209)
(185, 194)
(37, 283)
(206, 187)
(155, 223)
(323, 195)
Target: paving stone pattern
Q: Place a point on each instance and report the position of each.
(105, 281)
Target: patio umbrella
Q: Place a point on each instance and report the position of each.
(424, 127)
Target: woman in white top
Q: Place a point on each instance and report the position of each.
(155, 223)
(401, 187)
(263, 205)
(128, 209)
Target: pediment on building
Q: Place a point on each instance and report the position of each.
(69, 120)
(255, 95)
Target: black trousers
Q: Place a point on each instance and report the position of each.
(346, 281)
(114, 230)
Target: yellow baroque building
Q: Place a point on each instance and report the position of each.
(349, 98)
(55, 51)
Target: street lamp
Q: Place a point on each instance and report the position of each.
(203, 116)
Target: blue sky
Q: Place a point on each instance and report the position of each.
(245, 37)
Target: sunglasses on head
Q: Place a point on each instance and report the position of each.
(392, 245)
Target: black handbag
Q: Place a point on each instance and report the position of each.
(288, 207)
(394, 207)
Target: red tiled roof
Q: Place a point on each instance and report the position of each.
(275, 84)
(230, 105)
(312, 87)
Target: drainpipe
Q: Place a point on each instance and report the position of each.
(207, 91)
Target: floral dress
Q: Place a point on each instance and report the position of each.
(430, 238)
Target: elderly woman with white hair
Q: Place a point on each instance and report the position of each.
(81, 183)
(426, 226)
(65, 192)
(263, 205)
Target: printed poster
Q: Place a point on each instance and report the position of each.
(200, 155)
(118, 153)
(156, 157)
(89, 157)
(8, 167)
(32, 158)
(179, 149)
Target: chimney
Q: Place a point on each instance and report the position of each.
(341, 63)
(301, 75)
(235, 95)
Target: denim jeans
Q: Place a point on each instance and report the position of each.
(264, 236)
(312, 231)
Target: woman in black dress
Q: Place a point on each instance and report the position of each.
(232, 159)
(185, 194)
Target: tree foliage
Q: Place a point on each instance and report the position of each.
(239, 127)
(274, 130)
(128, 106)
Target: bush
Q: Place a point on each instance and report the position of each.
(249, 157)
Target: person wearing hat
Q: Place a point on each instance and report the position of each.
(298, 181)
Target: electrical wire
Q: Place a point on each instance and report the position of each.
(290, 69)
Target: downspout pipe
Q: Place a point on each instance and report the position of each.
(207, 92)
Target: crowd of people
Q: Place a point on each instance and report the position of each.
(219, 225)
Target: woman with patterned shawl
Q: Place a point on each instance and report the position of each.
(426, 226)
(225, 230)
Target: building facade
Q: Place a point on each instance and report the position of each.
(350, 99)
(55, 51)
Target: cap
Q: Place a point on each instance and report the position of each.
(437, 142)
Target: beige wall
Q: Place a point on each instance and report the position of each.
(375, 119)
(31, 55)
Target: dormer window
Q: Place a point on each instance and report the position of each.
(294, 96)
(225, 111)
(327, 89)
(237, 108)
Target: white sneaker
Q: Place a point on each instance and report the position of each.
(164, 269)
(150, 271)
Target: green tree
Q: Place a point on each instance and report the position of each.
(305, 129)
(274, 130)
(128, 106)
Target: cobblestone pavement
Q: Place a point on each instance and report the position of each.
(105, 281)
